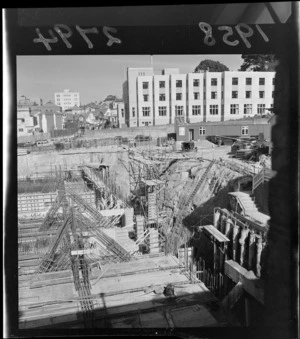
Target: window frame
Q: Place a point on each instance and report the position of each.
(214, 82)
(160, 84)
(244, 128)
(162, 109)
(232, 95)
(146, 109)
(178, 94)
(177, 82)
(202, 130)
(214, 95)
(213, 108)
(235, 81)
(234, 107)
(197, 109)
(247, 108)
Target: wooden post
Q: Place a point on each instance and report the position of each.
(251, 249)
(234, 240)
(258, 255)
(247, 312)
(243, 237)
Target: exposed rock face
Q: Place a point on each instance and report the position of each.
(213, 192)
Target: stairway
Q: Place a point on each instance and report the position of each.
(250, 209)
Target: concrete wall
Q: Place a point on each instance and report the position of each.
(153, 131)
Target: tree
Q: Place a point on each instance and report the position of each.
(211, 66)
(259, 62)
(110, 98)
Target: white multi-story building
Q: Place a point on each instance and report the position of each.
(66, 99)
(156, 99)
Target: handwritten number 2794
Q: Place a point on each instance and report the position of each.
(65, 32)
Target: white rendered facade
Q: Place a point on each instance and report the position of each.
(66, 99)
(152, 99)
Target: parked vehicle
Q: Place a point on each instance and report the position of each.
(125, 141)
(22, 151)
(143, 138)
(118, 139)
(26, 144)
(44, 143)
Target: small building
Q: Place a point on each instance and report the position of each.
(27, 123)
(251, 127)
(121, 114)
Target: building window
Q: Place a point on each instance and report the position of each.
(21, 130)
(214, 82)
(122, 112)
(234, 109)
(196, 96)
(248, 109)
(162, 84)
(202, 130)
(162, 97)
(245, 130)
(234, 94)
(141, 73)
(178, 96)
(178, 83)
(248, 81)
(273, 94)
(146, 111)
(261, 94)
(146, 97)
(273, 81)
(133, 111)
(145, 85)
(261, 81)
(248, 94)
(261, 108)
(162, 111)
(214, 95)
(178, 111)
(196, 82)
(213, 109)
(196, 110)
(235, 81)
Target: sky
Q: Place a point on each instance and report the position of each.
(96, 76)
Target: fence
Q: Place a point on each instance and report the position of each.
(154, 131)
(45, 136)
(214, 281)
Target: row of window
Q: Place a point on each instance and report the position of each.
(196, 110)
(244, 130)
(213, 82)
(214, 95)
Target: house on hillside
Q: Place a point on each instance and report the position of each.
(50, 117)
(121, 114)
(74, 110)
(27, 124)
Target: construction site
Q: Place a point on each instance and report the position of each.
(141, 236)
